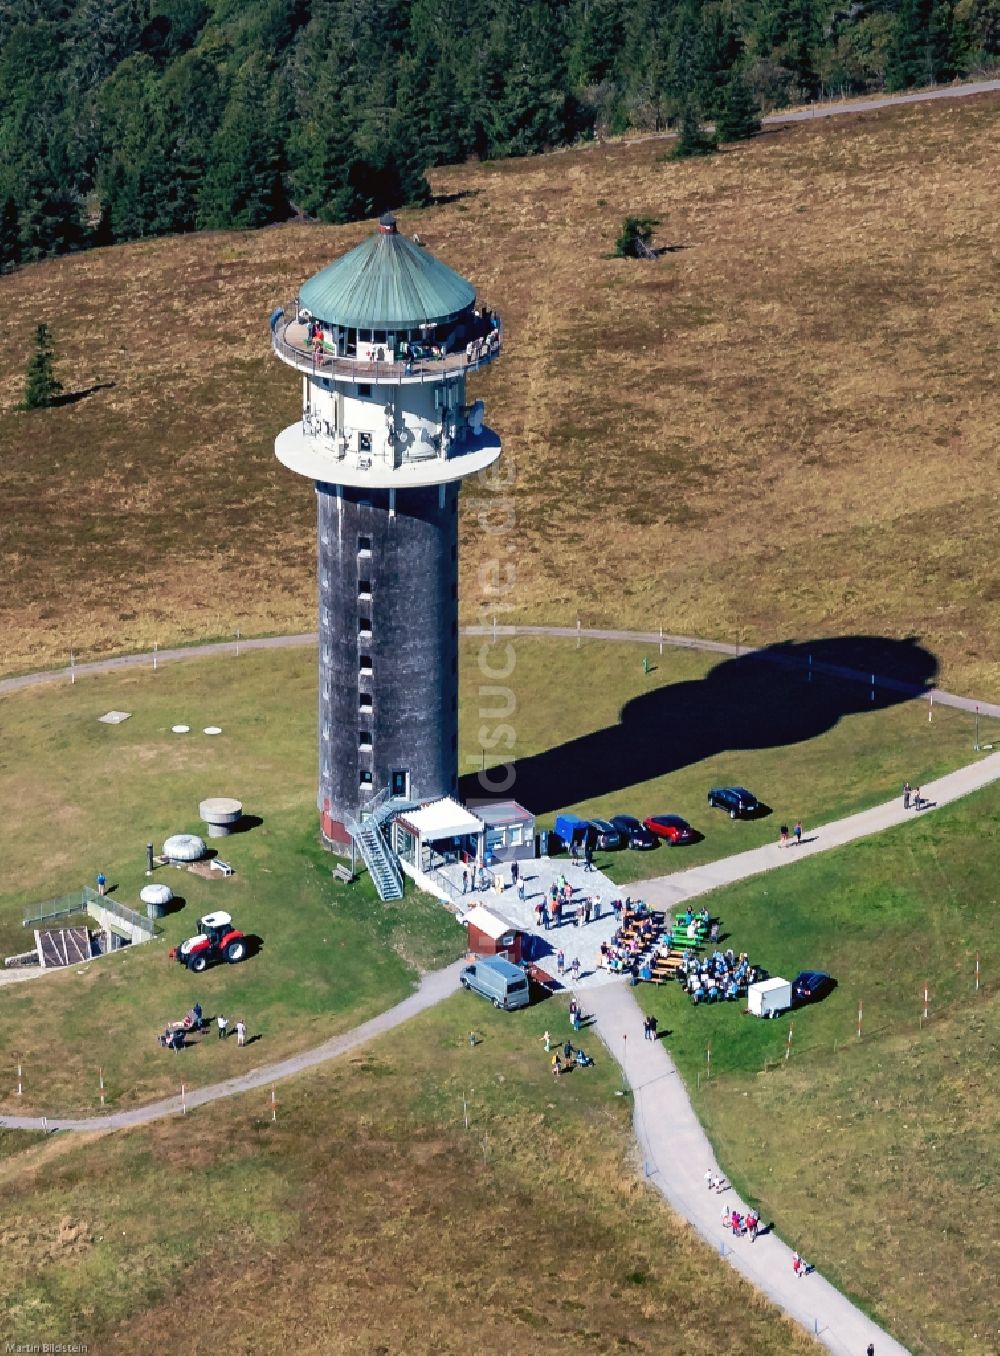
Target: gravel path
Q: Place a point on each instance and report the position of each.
(307, 638)
(432, 989)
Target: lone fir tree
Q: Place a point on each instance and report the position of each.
(739, 116)
(41, 386)
(692, 136)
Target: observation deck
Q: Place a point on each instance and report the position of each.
(405, 362)
(327, 458)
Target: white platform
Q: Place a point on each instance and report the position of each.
(317, 458)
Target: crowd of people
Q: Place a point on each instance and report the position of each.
(717, 977)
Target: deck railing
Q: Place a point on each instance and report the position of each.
(321, 363)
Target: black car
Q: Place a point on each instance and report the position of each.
(608, 838)
(810, 986)
(634, 834)
(737, 801)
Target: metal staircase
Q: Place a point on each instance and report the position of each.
(370, 840)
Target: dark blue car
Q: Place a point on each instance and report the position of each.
(810, 986)
(737, 801)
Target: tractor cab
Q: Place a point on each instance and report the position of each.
(214, 926)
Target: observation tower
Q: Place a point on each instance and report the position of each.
(384, 338)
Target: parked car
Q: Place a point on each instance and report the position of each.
(671, 828)
(737, 801)
(634, 834)
(608, 838)
(810, 986)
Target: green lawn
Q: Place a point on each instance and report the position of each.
(368, 1219)
(80, 796)
(879, 1157)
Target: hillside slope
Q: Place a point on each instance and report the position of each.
(785, 426)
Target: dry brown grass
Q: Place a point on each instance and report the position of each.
(785, 427)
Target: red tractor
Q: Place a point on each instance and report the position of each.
(217, 940)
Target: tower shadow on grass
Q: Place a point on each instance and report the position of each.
(762, 700)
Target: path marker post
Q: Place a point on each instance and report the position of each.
(72, 667)
(708, 1062)
(809, 671)
(100, 1083)
(930, 709)
(465, 1110)
(860, 1014)
(274, 1104)
(184, 1107)
(976, 745)
(926, 999)
(873, 687)
(20, 1084)
(237, 642)
(578, 633)
(977, 972)
(154, 656)
(788, 1043)
(661, 640)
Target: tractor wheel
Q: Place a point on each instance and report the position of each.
(236, 951)
(198, 963)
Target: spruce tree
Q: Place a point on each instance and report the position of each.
(41, 386)
(692, 136)
(739, 116)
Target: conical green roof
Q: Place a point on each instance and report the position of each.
(387, 282)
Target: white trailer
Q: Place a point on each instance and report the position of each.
(768, 997)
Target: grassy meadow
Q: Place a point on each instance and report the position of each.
(798, 394)
(367, 1219)
(877, 1157)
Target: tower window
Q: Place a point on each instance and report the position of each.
(364, 626)
(365, 701)
(364, 588)
(365, 741)
(366, 779)
(365, 664)
(364, 389)
(364, 545)
(364, 442)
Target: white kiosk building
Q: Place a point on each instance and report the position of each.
(384, 338)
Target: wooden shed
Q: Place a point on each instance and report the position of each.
(491, 935)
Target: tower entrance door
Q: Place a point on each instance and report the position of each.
(399, 783)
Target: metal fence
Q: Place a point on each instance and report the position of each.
(80, 901)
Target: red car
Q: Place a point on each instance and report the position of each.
(671, 828)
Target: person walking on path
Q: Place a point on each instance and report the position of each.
(577, 1019)
(783, 836)
(575, 967)
(541, 915)
(798, 833)
(906, 795)
(102, 883)
(653, 1024)
(646, 1033)
(560, 962)
(223, 1024)
(554, 1063)
(547, 1042)
(514, 872)
(520, 888)
(588, 858)
(753, 1224)
(597, 908)
(916, 798)
(797, 1265)
(241, 1032)
(465, 880)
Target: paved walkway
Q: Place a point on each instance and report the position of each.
(433, 988)
(676, 1154)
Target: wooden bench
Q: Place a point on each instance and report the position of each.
(343, 873)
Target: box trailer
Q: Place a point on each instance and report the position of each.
(768, 997)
